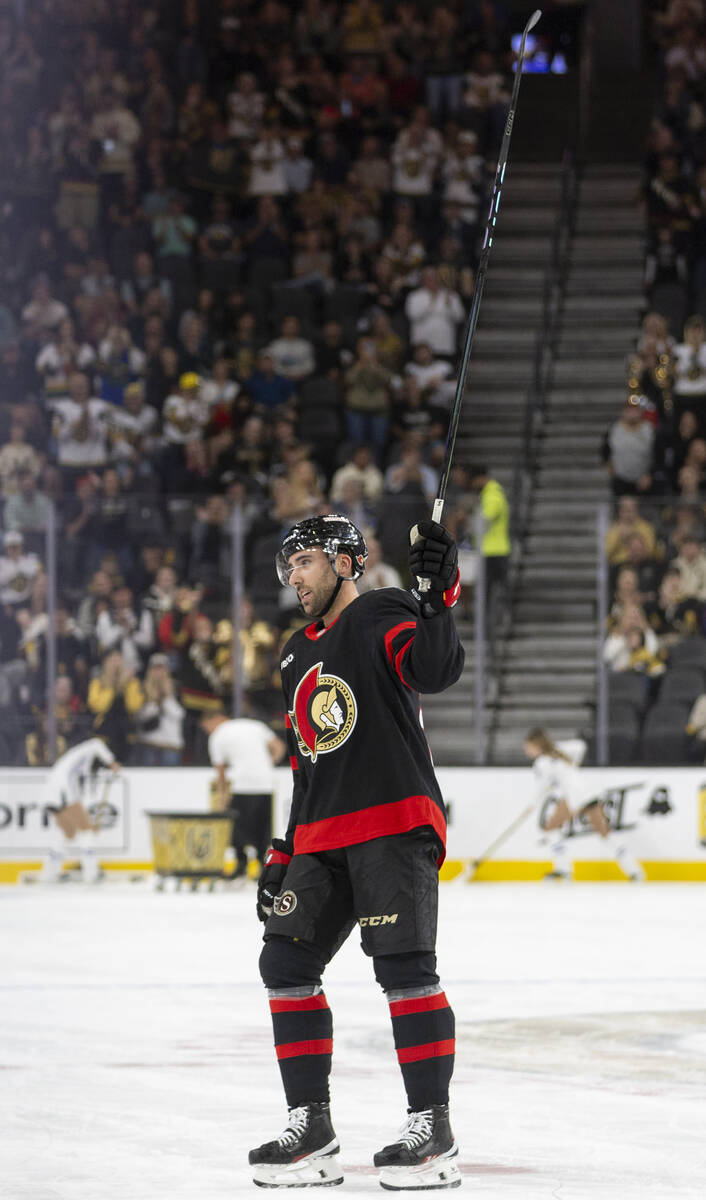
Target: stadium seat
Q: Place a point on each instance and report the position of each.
(691, 652)
(664, 739)
(623, 732)
(682, 684)
(628, 688)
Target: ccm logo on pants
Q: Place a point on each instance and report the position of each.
(387, 919)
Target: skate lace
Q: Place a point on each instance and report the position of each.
(416, 1130)
(298, 1121)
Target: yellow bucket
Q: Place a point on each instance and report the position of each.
(190, 845)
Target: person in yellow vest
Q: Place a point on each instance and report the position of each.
(495, 546)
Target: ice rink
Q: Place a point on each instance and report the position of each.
(136, 1052)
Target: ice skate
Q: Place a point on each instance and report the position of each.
(302, 1156)
(422, 1157)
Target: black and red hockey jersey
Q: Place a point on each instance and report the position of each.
(361, 764)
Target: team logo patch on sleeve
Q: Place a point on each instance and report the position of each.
(324, 713)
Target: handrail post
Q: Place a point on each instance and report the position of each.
(480, 623)
(602, 621)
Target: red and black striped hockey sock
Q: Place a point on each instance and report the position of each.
(303, 1029)
(423, 1027)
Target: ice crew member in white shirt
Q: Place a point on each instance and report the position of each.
(65, 785)
(244, 752)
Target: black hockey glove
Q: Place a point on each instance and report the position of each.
(433, 557)
(272, 876)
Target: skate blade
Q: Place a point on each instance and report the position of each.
(437, 1173)
(308, 1172)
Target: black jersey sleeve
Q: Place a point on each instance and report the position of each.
(427, 656)
(292, 751)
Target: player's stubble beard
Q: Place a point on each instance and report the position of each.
(322, 597)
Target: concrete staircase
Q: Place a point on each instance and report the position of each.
(549, 666)
(492, 419)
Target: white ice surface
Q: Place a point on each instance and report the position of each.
(136, 1054)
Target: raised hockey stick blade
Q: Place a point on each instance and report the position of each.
(488, 236)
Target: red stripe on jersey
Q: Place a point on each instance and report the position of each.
(287, 721)
(298, 1004)
(428, 1050)
(415, 1004)
(296, 1049)
(380, 820)
(392, 634)
(398, 662)
(293, 762)
(314, 633)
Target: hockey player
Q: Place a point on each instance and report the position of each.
(365, 840)
(64, 787)
(555, 768)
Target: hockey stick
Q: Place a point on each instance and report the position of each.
(475, 863)
(438, 508)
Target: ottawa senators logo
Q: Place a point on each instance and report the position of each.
(324, 713)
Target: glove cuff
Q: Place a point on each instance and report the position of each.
(452, 594)
(277, 853)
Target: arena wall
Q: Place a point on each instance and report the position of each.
(660, 814)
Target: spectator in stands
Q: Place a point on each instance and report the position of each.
(628, 522)
(411, 473)
(184, 417)
(271, 391)
(292, 354)
(81, 428)
(159, 722)
(17, 458)
(433, 375)
(120, 626)
(633, 645)
(44, 312)
(114, 699)
(485, 101)
(378, 573)
(366, 394)
(628, 451)
(362, 469)
(690, 368)
(434, 315)
(134, 431)
(672, 615)
(627, 592)
(333, 356)
(19, 571)
(691, 564)
(27, 511)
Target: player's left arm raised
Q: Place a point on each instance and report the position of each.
(422, 645)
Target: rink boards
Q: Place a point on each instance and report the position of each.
(658, 813)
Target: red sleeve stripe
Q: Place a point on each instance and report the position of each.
(398, 662)
(298, 1004)
(429, 1050)
(297, 1049)
(416, 1004)
(293, 762)
(392, 634)
(287, 721)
